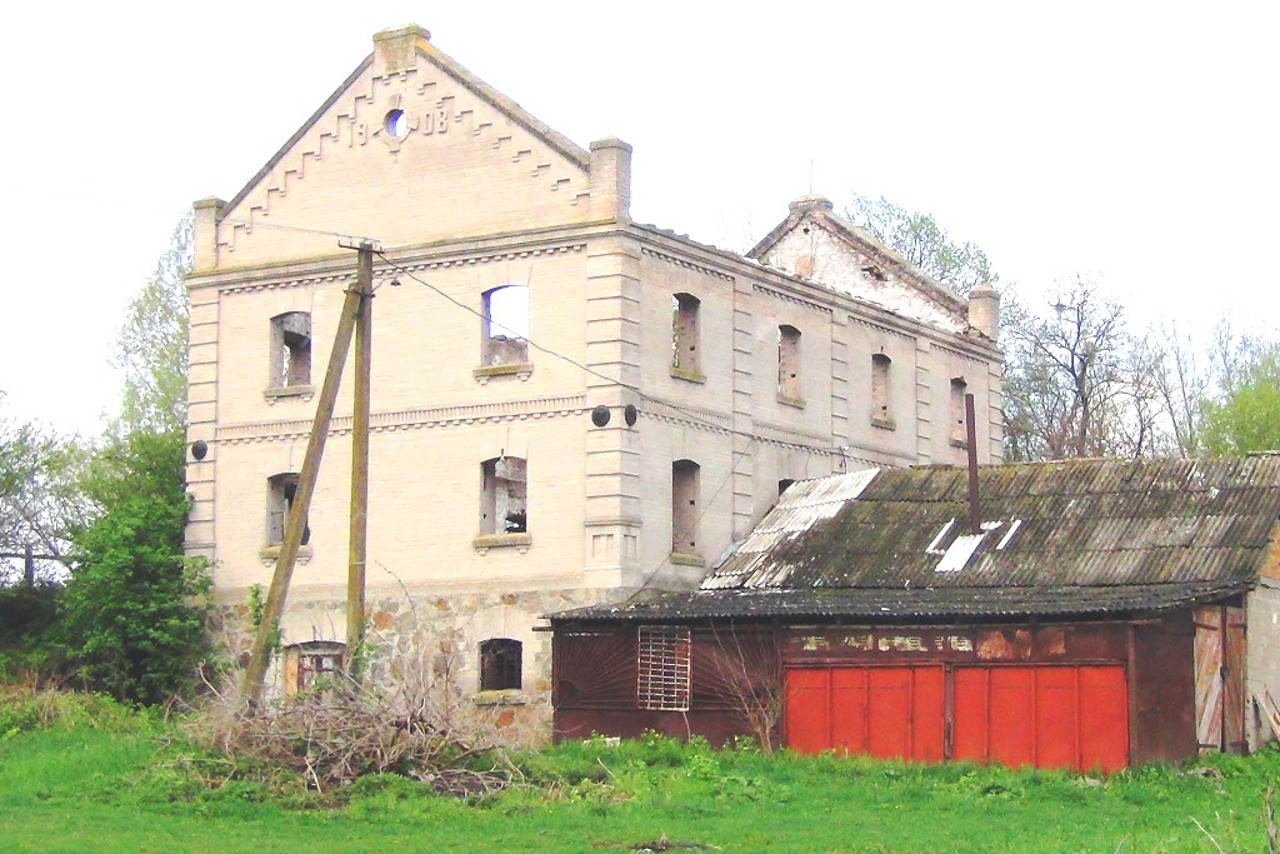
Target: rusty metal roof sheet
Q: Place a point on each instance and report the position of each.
(1052, 525)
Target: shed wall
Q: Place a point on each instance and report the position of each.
(1262, 669)
(1154, 655)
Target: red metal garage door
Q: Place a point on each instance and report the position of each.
(1048, 716)
(882, 711)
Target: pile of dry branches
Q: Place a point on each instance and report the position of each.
(341, 730)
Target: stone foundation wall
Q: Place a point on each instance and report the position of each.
(409, 635)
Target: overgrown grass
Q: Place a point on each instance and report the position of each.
(83, 774)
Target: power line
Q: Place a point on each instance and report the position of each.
(687, 411)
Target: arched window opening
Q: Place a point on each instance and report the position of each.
(789, 364)
(784, 485)
(959, 435)
(506, 325)
(307, 665)
(684, 336)
(504, 496)
(281, 489)
(881, 399)
(684, 507)
(500, 664)
(291, 349)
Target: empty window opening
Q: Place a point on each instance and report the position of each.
(959, 435)
(880, 397)
(500, 664)
(684, 333)
(281, 489)
(506, 325)
(684, 507)
(789, 362)
(503, 508)
(784, 485)
(663, 668)
(291, 349)
(310, 664)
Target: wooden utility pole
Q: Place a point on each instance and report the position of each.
(360, 464)
(260, 653)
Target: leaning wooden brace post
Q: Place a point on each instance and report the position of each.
(301, 505)
(360, 464)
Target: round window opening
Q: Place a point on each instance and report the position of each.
(397, 124)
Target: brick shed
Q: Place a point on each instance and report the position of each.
(1108, 612)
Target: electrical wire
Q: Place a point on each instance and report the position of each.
(687, 411)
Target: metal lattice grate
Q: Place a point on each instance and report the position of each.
(662, 675)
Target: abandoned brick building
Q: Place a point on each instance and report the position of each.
(508, 482)
(1105, 612)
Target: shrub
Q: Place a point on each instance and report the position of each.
(132, 613)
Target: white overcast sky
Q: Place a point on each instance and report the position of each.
(1137, 142)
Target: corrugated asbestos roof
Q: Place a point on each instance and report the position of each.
(1069, 537)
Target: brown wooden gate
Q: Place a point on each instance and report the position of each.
(1219, 668)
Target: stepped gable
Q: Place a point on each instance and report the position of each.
(411, 148)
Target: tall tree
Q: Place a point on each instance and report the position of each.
(152, 345)
(921, 240)
(1078, 383)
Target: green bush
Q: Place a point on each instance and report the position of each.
(133, 613)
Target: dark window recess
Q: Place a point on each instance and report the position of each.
(784, 485)
(316, 664)
(281, 489)
(500, 664)
(504, 496)
(291, 349)
(684, 507)
(684, 333)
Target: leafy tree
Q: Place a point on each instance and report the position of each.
(152, 346)
(41, 504)
(921, 240)
(132, 613)
(1247, 418)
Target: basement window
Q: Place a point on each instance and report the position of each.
(959, 435)
(307, 665)
(789, 366)
(881, 411)
(505, 328)
(291, 350)
(500, 664)
(684, 508)
(504, 498)
(684, 337)
(281, 489)
(663, 668)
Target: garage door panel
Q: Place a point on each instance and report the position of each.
(1012, 732)
(849, 710)
(1104, 704)
(808, 710)
(969, 717)
(928, 714)
(1057, 719)
(889, 712)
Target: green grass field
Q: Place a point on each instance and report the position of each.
(95, 785)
